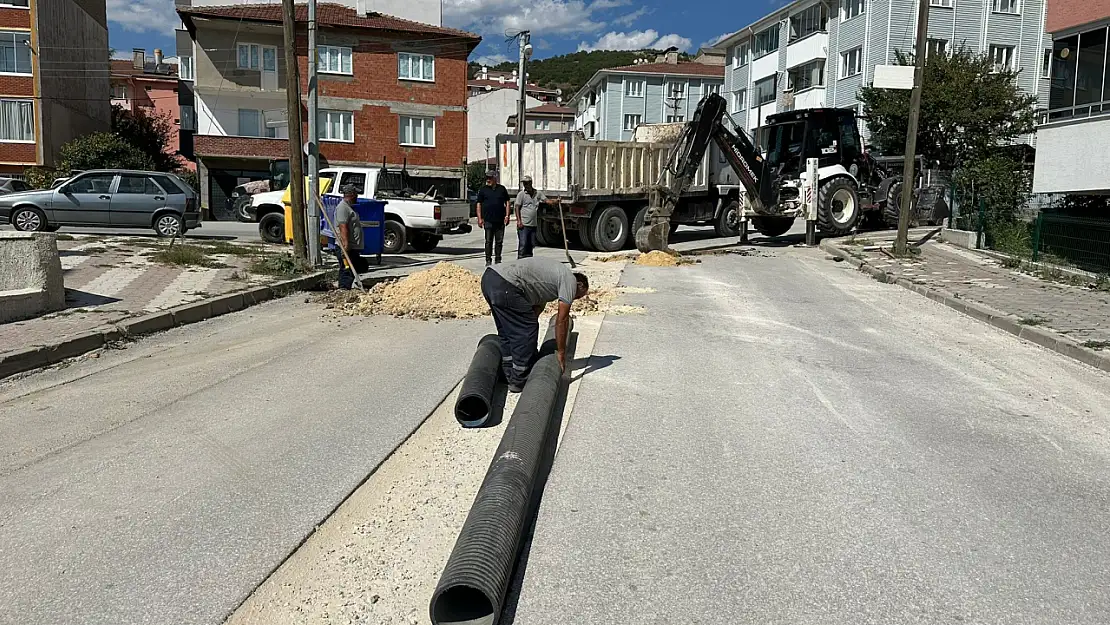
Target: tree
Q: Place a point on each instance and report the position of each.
(968, 108)
(475, 175)
(101, 150)
(149, 133)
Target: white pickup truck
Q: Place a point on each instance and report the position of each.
(410, 218)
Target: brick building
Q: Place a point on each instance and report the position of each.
(149, 85)
(390, 90)
(53, 78)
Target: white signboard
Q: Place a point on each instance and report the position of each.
(893, 77)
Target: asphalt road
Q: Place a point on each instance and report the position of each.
(162, 483)
(782, 440)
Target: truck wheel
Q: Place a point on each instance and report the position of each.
(272, 228)
(772, 226)
(547, 234)
(639, 219)
(727, 223)
(583, 235)
(837, 207)
(395, 239)
(609, 229)
(424, 242)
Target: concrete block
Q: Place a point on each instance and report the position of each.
(226, 303)
(979, 312)
(191, 313)
(147, 324)
(961, 238)
(23, 360)
(1082, 354)
(1040, 337)
(30, 275)
(1008, 324)
(257, 295)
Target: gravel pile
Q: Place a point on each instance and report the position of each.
(446, 291)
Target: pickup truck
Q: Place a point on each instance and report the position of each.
(411, 219)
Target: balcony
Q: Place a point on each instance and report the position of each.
(758, 116)
(810, 48)
(1072, 156)
(809, 99)
(765, 66)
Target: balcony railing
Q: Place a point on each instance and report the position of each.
(1082, 111)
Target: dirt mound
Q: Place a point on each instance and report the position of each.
(446, 291)
(601, 301)
(657, 258)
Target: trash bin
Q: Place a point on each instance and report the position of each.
(372, 215)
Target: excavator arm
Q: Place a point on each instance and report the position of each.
(706, 125)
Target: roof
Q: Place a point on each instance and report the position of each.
(508, 84)
(124, 67)
(327, 14)
(548, 109)
(684, 69)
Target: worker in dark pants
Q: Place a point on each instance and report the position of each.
(493, 216)
(517, 292)
(349, 238)
(527, 217)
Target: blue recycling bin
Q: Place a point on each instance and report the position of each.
(372, 215)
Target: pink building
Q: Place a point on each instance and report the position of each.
(150, 85)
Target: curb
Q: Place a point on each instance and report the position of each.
(996, 318)
(39, 356)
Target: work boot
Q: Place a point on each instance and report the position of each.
(515, 388)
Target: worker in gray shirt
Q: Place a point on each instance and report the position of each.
(349, 237)
(517, 292)
(527, 217)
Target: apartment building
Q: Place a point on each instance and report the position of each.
(616, 100)
(812, 54)
(1072, 140)
(53, 78)
(149, 84)
(391, 91)
(545, 118)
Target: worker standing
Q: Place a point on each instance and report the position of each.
(517, 292)
(527, 217)
(493, 216)
(349, 237)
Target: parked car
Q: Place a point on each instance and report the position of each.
(107, 198)
(11, 185)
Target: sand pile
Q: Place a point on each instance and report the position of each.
(446, 291)
(657, 258)
(602, 301)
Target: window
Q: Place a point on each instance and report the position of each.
(738, 99)
(542, 124)
(15, 52)
(764, 90)
(248, 57)
(119, 92)
(741, 58)
(944, 4)
(1006, 6)
(250, 124)
(137, 185)
(15, 3)
(418, 131)
(766, 42)
(809, 21)
(168, 185)
(17, 120)
(631, 121)
(935, 47)
(188, 118)
(334, 59)
(94, 183)
(336, 126)
(676, 90)
(807, 76)
(1003, 57)
(1046, 64)
(851, 63)
(715, 89)
(185, 68)
(851, 8)
(1090, 66)
(675, 118)
(416, 66)
(356, 180)
(634, 88)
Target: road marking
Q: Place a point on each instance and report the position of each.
(184, 288)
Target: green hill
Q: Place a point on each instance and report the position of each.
(570, 71)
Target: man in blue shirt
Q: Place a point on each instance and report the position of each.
(493, 216)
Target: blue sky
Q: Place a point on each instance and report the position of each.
(558, 26)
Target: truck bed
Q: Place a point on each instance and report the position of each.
(568, 165)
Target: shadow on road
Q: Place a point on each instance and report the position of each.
(591, 364)
(80, 299)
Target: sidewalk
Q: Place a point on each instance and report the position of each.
(1078, 314)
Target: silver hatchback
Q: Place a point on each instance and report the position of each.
(107, 198)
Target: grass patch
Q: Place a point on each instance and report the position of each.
(185, 256)
(278, 265)
(1097, 345)
(230, 249)
(1012, 263)
(1102, 283)
(1033, 321)
(858, 241)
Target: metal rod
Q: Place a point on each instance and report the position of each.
(313, 140)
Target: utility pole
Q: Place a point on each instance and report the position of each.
(293, 101)
(522, 76)
(487, 153)
(313, 142)
(901, 241)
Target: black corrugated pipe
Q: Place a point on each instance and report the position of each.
(472, 588)
(472, 408)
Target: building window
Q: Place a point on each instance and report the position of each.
(807, 76)
(631, 121)
(851, 63)
(944, 4)
(119, 92)
(1006, 6)
(185, 68)
(17, 121)
(542, 124)
(738, 100)
(741, 58)
(851, 8)
(1091, 68)
(1002, 57)
(766, 42)
(764, 91)
(418, 131)
(675, 118)
(251, 124)
(188, 118)
(634, 88)
(809, 21)
(15, 52)
(248, 57)
(15, 3)
(714, 89)
(336, 126)
(1046, 64)
(936, 46)
(676, 90)
(334, 59)
(416, 66)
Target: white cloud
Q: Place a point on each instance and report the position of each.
(491, 59)
(627, 20)
(155, 16)
(122, 55)
(552, 17)
(713, 41)
(609, 4)
(636, 40)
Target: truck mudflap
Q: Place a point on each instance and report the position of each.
(459, 229)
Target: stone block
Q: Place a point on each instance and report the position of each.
(30, 275)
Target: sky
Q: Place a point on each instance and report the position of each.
(557, 26)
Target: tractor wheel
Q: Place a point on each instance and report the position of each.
(727, 223)
(638, 222)
(609, 229)
(772, 226)
(892, 209)
(837, 207)
(272, 228)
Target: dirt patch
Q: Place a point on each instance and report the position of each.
(657, 258)
(446, 291)
(602, 301)
(612, 258)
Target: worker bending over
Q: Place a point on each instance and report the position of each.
(517, 292)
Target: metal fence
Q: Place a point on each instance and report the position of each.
(1075, 241)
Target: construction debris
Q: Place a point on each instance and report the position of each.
(446, 291)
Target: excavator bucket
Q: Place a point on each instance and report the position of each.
(652, 237)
